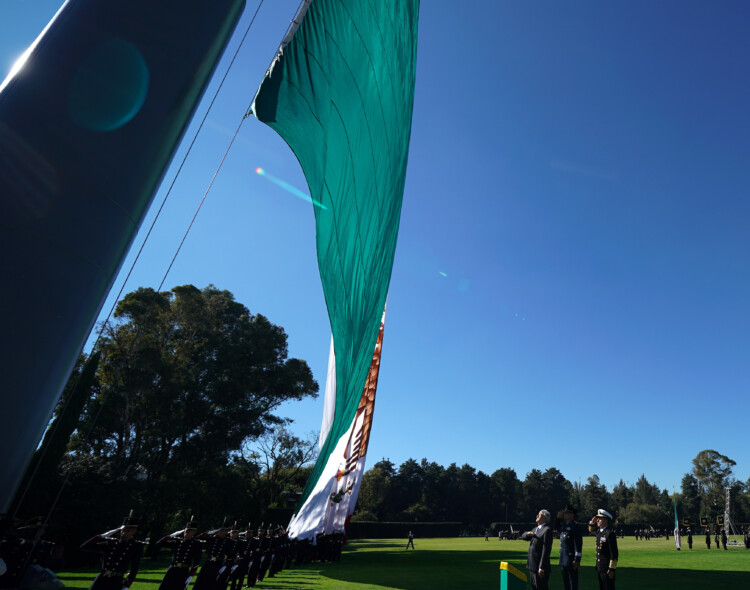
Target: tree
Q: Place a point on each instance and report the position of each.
(279, 458)
(507, 493)
(186, 378)
(622, 495)
(690, 497)
(645, 492)
(594, 496)
(375, 492)
(713, 472)
(534, 494)
(557, 489)
(649, 514)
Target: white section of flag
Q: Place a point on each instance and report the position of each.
(329, 404)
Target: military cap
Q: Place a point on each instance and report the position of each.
(601, 513)
(130, 520)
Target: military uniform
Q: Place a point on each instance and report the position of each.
(231, 546)
(216, 556)
(708, 539)
(606, 557)
(186, 555)
(243, 557)
(571, 544)
(119, 557)
(16, 552)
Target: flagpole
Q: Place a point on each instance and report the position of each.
(677, 540)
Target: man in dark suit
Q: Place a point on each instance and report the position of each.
(539, 551)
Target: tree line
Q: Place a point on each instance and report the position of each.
(428, 492)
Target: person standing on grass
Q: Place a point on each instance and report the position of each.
(186, 555)
(121, 555)
(606, 550)
(716, 536)
(540, 549)
(724, 538)
(410, 541)
(690, 538)
(708, 539)
(571, 543)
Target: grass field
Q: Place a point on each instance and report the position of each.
(454, 564)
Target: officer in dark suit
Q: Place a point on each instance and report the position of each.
(539, 551)
(186, 555)
(571, 544)
(606, 550)
(708, 538)
(724, 538)
(690, 538)
(121, 553)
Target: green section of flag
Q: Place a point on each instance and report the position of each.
(341, 95)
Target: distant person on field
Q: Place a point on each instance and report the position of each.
(708, 539)
(571, 544)
(410, 541)
(716, 536)
(690, 538)
(539, 551)
(724, 538)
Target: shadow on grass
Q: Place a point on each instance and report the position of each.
(451, 574)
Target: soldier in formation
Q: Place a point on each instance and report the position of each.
(186, 555)
(216, 548)
(121, 555)
(708, 538)
(25, 558)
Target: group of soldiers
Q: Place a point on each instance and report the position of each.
(25, 558)
(645, 534)
(231, 558)
(225, 558)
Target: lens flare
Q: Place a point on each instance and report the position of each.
(289, 188)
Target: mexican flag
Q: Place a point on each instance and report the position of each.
(340, 92)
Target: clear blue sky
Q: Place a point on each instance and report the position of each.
(579, 171)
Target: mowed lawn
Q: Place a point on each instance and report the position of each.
(456, 563)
